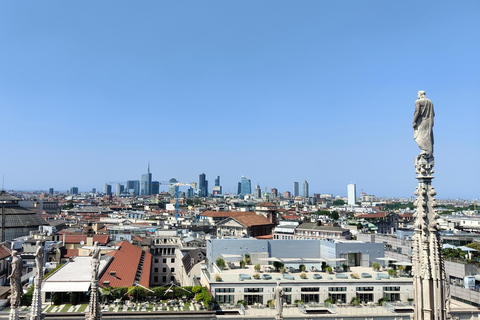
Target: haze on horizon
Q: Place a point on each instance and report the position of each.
(277, 91)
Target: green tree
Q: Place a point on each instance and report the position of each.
(220, 263)
(323, 213)
(338, 202)
(334, 215)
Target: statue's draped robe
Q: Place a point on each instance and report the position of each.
(423, 132)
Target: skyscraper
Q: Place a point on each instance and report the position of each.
(352, 194)
(203, 185)
(295, 189)
(133, 187)
(305, 189)
(246, 186)
(274, 192)
(120, 189)
(190, 193)
(107, 189)
(147, 183)
(217, 181)
(155, 187)
(172, 187)
(50, 191)
(74, 190)
(239, 188)
(258, 192)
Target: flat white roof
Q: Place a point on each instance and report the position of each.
(75, 276)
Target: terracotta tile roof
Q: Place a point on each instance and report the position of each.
(220, 214)
(125, 263)
(4, 252)
(70, 253)
(268, 236)
(372, 215)
(265, 204)
(77, 238)
(251, 219)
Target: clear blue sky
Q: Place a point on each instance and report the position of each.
(278, 91)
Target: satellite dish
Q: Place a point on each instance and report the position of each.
(82, 242)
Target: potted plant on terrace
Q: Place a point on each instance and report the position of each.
(257, 267)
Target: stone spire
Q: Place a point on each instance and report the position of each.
(432, 301)
(94, 311)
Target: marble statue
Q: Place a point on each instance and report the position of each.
(39, 260)
(423, 125)
(16, 279)
(278, 293)
(36, 307)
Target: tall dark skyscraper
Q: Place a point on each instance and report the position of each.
(203, 185)
(239, 188)
(246, 187)
(217, 181)
(155, 187)
(147, 183)
(50, 191)
(133, 187)
(74, 190)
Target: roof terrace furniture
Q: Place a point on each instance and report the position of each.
(288, 277)
(317, 276)
(381, 276)
(266, 277)
(366, 275)
(341, 276)
(243, 276)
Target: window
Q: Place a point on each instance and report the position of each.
(156, 260)
(164, 260)
(225, 298)
(253, 290)
(337, 288)
(172, 278)
(364, 288)
(172, 270)
(164, 270)
(164, 279)
(155, 279)
(223, 290)
(155, 270)
(391, 288)
(310, 289)
(173, 260)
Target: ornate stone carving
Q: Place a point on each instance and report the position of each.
(429, 283)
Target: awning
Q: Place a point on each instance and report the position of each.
(270, 259)
(467, 249)
(335, 259)
(66, 286)
(230, 256)
(403, 263)
(386, 259)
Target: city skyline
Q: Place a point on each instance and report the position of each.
(317, 90)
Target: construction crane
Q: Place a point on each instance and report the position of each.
(177, 184)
